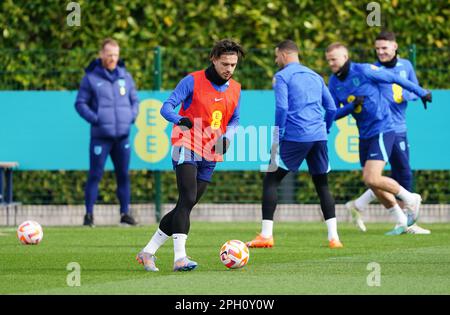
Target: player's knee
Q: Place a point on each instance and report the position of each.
(95, 177)
(188, 201)
(371, 179)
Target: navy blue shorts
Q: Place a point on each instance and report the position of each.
(293, 153)
(378, 147)
(399, 160)
(205, 168)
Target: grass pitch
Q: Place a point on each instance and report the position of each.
(299, 263)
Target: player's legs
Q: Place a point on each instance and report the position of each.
(372, 175)
(400, 168)
(399, 160)
(99, 150)
(176, 222)
(374, 154)
(271, 183)
(291, 155)
(319, 167)
(120, 156)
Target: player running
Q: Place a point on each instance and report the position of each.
(301, 96)
(358, 87)
(386, 49)
(207, 120)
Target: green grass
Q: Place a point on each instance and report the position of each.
(300, 262)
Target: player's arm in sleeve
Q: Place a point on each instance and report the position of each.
(182, 92)
(233, 123)
(329, 105)
(281, 107)
(134, 100)
(344, 111)
(340, 111)
(408, 96)
(379, 75)
(83, 101)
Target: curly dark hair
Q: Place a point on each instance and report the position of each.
(227, 47)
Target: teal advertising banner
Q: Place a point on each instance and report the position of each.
(42, 131)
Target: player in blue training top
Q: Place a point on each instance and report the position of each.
(386, 49)
(358, 87)
(301, 99)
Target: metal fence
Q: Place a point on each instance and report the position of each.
(161, 68)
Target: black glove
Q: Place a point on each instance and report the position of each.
(425, 99)
(221, 145)
(186, 122)
(359, 100)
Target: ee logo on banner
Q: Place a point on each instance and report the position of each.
(151, 141)
(347, 139)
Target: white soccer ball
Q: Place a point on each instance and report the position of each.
(30, 233)
(234, 254)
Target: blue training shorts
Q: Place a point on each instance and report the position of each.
(205, 168)
(293, 153)
(378, 147)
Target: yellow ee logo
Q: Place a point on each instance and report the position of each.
(347, 139)
(397, 91)
(216, 120)
(151, 141)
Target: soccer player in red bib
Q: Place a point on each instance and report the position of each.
(203, 127)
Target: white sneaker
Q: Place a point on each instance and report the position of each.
(414, 207)
(356, 215)
(415, 229)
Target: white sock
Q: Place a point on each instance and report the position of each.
(365, 199)
(179, 246)
(157, 240)
(405, 195)
(267, 228)
(332, 229)
(399, 215)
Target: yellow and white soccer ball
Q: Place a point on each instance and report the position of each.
(234, 254)
(30, 233)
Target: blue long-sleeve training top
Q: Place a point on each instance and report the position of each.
(374, 116)
(183, 94)
(301, 98)
(397, 96)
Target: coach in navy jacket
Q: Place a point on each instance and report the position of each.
(108, 101)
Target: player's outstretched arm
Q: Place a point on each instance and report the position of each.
(182, 92)
(382, 76)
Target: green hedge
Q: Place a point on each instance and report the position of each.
(62, 187)
(40, 51)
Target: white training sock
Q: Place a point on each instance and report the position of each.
(332, 229)
(267, 228)
(157, 240)
(179, 246)
(399, 215)
(405, 195)
(365, 199)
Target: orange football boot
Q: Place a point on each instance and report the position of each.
(261, 242)
(336, 244)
